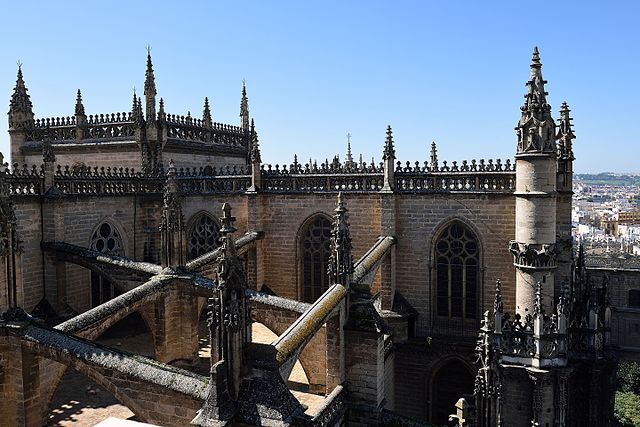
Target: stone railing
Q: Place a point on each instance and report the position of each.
(518, 338)
(23, 181)
(122, 181)
(475, 176)
(123, 125)
(99, 126)
(612, 263)
(481, 176)
(186, 128)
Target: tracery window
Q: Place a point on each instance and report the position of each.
(457, 272)
(105, 239)
(204, 236)
(316, 251)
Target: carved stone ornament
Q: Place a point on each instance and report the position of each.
(534, 256)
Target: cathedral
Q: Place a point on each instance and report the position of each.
(425, 292)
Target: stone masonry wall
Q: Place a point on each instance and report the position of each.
(281, 216)
(420, 218)
(94, 154)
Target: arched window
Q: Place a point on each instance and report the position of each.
(457, 272)
(105, 239)
(315, 249)
(204, 236)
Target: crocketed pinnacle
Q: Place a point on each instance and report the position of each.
(536, 128)
(161, 110)
(20, 106)
(254, 151)
(134, 104)
(172, 186)
(244, 107)
(150, 81)
(389, 150)
(565, 133)
(206, 113)
(341, 261)
(349, 155)
(79, 105)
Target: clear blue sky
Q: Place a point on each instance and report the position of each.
(448, 71)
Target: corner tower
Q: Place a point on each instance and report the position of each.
(534, 247)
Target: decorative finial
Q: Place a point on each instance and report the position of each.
(433, 165)
(244, 107)
(341, 261)
(206, 113)
(79, 105)
(227, 220)
(535, 60)
(254, 151)
(389, 150)
(161, 114)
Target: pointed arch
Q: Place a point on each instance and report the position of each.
(452, 378)
(203, 234)
(456, 275)
(313, 252)
(106, 237)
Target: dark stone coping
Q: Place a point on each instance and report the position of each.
(101, 258)
(179, 145)
(274, 301)
(34, 147)
(202, 260)
(373, 256)
(332, 407)
(67, 348)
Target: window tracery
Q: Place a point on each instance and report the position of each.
(316, 251)
(457, 272)
(105, 239)
(204, 236)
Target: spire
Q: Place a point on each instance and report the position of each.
(254, 151)
(150, 89)
(536, 128)
(565, 133)
(244, 107)
(433, 166)
(341, 261)
(206, 113)
(79, 105)
(389, 151)
(20, 106)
